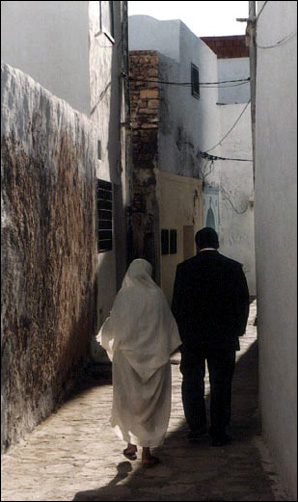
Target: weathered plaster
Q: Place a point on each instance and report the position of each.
(145, 120)
(180, 201)
(48, 250)
(237, 190)
(61, 46)
(109, 115)
(188, 126)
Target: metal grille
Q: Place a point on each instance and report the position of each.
(195, 81)
(104, 200)
(164, 241)
(173, 241)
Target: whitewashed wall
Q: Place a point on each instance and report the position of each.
(187, 124)
(60, 45)
(239, 68)
(236, 190)
(276, 231)
(48, 256)
(49, 41)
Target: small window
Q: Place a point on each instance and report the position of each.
(106, 12)
(99, 150)
(195, 81)
(173, 241)
(164, 241)
(104, 200)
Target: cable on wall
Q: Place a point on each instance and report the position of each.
(262, 8)
(215, 157)
(189, 84)
(225, 193)
(230, 130)
(283, 41)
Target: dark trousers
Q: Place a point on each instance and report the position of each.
(221, 365)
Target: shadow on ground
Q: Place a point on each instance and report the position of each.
(198, 471)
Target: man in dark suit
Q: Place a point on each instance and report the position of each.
(211, 306)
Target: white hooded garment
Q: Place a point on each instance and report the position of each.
(139, 337)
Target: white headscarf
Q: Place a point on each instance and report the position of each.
(141, 324)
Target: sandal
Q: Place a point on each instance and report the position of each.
(130, 454)
(151, 462)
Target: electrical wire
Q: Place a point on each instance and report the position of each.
(280, 42)
(223, 86)
(189, 84)
(215, 157)
(230, 130)
(227, 197)
(263, 6)
(203, 172)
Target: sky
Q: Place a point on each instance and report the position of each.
(202, 18)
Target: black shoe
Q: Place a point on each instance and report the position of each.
(221, 440)
(197, 434)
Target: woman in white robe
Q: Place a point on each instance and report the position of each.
(139, 337)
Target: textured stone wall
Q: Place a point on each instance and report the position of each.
(144, 96)
(48, 251)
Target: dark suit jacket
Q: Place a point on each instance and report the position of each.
(210, 302)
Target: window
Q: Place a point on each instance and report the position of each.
(99, 150)
(104, 201)
(106, 12)
(164, 241)
(195, 81)
(168, 241)
(173, 241)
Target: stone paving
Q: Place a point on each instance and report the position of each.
(74, 455)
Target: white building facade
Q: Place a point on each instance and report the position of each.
(72, 49)
(65, 112)
(276, 230)
(192, 123)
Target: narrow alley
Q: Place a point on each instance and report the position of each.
(74, 454)
(124, 132)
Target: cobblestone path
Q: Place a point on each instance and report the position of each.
(74, 455)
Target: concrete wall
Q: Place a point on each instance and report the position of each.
(180, 201)
(187, 124)
(108, 58)
(48, 250)
(236, 92)
(49, 41)
(276, 231)
(145, 33)
(237, 191)
(61, 45)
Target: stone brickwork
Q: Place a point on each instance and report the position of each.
(145, 100)
(48, 251)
